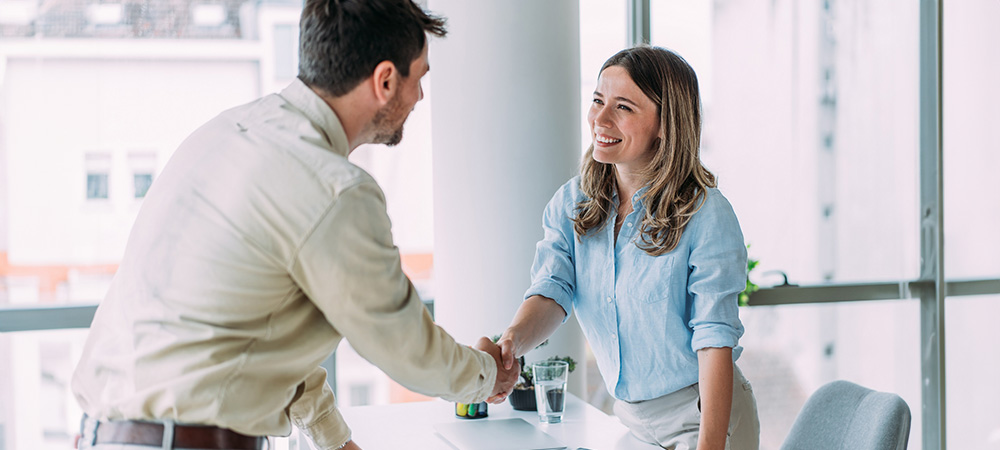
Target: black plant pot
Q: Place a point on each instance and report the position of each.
(523, 399)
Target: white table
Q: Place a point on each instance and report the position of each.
(411, 426)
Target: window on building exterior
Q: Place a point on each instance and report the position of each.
(141, 183)
(142, 165)
(98, 168)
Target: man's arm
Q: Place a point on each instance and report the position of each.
(350, 269)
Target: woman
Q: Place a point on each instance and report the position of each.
(650, 255)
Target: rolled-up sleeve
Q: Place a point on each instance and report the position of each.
(553, 274)
(350, 268)
(717, 265)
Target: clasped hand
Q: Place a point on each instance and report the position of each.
(506, 377)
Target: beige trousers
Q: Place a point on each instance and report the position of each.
(673, 421)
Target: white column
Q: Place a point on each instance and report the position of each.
(505, 117)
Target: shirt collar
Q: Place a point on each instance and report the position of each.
(299, 95)
(635, 197)
(638, 194)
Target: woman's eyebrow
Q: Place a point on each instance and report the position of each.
(621, 99)
(626, 100)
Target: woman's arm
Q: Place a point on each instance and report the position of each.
(536, 319)
(715, 383)
(553, 276)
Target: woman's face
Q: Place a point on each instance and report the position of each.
(624, 123)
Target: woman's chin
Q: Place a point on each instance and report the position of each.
(601, 157)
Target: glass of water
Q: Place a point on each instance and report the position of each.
(550, 389)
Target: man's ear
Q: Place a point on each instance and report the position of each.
(385, 80)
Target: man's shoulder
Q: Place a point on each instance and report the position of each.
(293, 134)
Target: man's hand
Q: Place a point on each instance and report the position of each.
(506, 376)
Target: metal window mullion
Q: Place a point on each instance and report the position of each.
(932, 297)
(637, 22)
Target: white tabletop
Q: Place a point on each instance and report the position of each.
(411, 426)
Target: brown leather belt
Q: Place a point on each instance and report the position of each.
(135, 432)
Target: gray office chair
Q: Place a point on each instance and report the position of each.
(842, 415)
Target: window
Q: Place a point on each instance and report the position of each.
(69, 197)
(98, 171)
(971, 212)
(143, 165)
(141, 183)
(812, 121)
(39, 410)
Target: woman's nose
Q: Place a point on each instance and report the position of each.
(601, 118)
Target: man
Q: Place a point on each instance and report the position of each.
(260, 247)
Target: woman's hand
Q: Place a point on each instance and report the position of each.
(508, 351)
(506, 376)
(536, 319)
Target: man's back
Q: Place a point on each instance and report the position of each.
(205, 305)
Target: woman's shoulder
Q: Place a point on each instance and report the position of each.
(569, 192)
(713, 204)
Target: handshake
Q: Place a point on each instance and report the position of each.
(507, 373)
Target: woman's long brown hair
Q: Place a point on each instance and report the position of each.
(676, 178)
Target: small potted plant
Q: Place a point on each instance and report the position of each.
(522, 398)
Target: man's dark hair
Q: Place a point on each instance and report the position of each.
(341, 41)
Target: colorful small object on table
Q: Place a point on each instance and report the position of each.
(471, 410)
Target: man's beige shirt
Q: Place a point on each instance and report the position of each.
(258, 248)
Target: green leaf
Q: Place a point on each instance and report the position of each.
(751, 287)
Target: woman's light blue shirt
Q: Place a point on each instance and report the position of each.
(645, 316)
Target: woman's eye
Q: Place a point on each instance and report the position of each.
(598, 101)
(626, 108)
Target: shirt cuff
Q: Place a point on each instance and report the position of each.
(489, 378)
(329, 432)
(714, 336)
(553, 290)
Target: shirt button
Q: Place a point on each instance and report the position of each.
(629, 224)
(609, 299)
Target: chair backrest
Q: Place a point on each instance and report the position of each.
(842, 415)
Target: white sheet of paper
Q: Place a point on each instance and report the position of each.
(498, 434)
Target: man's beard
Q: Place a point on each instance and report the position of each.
(385, 132)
